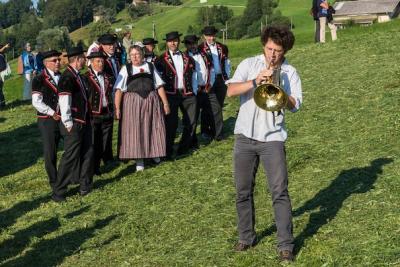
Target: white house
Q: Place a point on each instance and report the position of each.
(365, 12)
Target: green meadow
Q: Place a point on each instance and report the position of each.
(342, 155)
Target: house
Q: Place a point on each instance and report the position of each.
(137, 2)
(365, 12)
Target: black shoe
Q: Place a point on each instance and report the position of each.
(241, 247)
(97, 172)
(84, 192)
(219, 138)
(286, 255)
(57, 198)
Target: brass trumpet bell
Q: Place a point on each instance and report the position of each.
(270, 97)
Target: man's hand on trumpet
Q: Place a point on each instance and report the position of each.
(264, 76)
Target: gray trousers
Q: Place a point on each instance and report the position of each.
(248, 154)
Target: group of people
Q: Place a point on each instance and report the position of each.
(322, 13)
(145, 95)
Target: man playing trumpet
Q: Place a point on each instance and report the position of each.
(260, 138)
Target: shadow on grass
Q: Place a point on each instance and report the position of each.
(51, 252)
(229, 125)
(329, 200)
(100, 183)
(20, 149)
(9, 217)
(17, 103)
(14, 246)
(2, 120)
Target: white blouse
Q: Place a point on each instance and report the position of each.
(122, 78)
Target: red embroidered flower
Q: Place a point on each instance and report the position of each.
(141, 70)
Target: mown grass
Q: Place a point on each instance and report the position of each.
(182, 213)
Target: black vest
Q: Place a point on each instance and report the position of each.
(222, 55)
(140, 83)
(95, 98)
(165, 66)
(45, 85)
(70, 84)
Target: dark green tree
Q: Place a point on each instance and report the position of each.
(12, 11)
(55, 38)
(98, 28)
(27, 30)
(139, 10)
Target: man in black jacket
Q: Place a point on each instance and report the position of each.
(101, 101)
(76, 164)
(177, 70)
(45, 101)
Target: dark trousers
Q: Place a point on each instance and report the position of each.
(188, 107)
(50, 132)
(76, 165)
(219, 89)
(2, 99)
(317, 33)
(248, 154)
(102, 139)
(210, 113)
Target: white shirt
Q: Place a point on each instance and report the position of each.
(201, 70)
(122, 78)
(100, 78)
(214, 53)
(256, 123)
(178, 63)
(37, 98)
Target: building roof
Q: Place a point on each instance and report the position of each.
(365, 7)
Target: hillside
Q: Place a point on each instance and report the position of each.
(168, 18)
(343, 160)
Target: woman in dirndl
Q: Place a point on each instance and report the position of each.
(138, 107)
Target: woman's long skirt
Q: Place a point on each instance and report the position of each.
(142, 127)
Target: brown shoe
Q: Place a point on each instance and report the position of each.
(241, 247)
(286, 255)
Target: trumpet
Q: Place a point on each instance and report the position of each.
(269, 96)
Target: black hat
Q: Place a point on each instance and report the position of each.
(75, 51)
(107, 39)
(190, 39)
(147, 41)
(209, 30)
(97, 54)
(172, 35)
(51, 53)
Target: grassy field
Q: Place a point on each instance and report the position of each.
(343, 159)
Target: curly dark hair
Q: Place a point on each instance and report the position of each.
(280, 35)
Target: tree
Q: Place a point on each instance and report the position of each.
(139, 10)
(215, 15)
(12, 11)
(98, 28)
(27, 30)
(55, 38)
(255, 15)
(107, 14)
